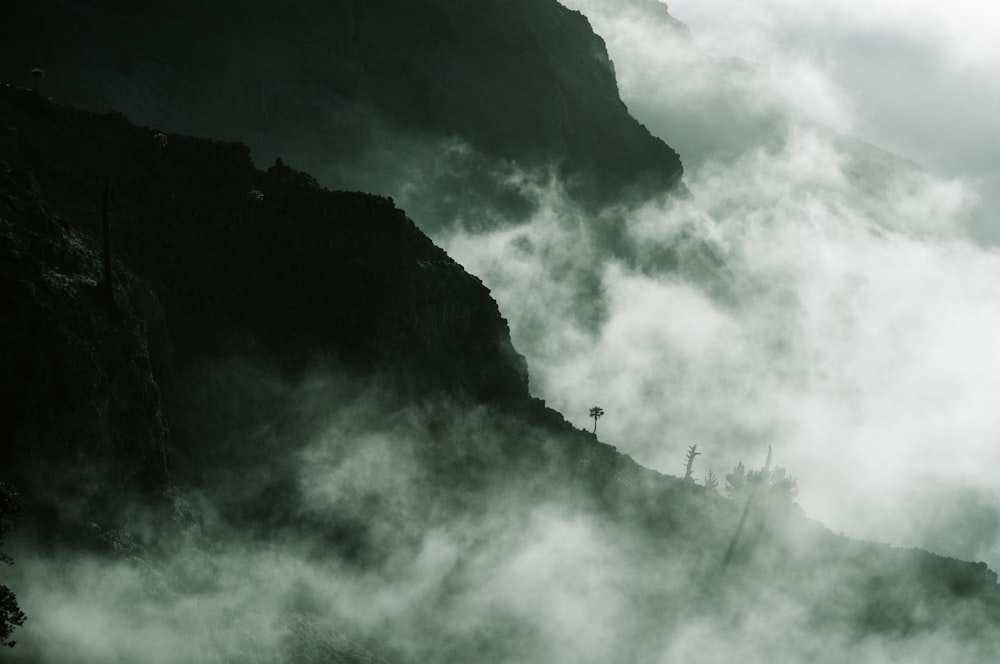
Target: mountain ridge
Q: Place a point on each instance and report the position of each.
(332, 87)
(297, 420)
(457, 400)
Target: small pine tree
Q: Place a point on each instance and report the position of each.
(783, 484)
(774, 486)
(736, 481)
(37, 74)
(711, 481)
(775, 481)
(161, 141)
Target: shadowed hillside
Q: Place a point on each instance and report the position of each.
(365, 95)
(336, 450)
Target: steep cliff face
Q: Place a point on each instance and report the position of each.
(76, 377)
(348, 89)
(212, 259)
(215, 260)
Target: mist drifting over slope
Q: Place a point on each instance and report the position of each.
(917, 79)
(500, 566)
(815, 293)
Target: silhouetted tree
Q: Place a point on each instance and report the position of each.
(736, 480)
(711, 481)
(689, 456)
(162, 142)
(597, 413)
(775, 486)
(11, 615)
(776, 481)
(782, 484)
(37, 74)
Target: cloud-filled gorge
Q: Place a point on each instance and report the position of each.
(804, 293)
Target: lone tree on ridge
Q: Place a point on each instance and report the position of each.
(37, 74)
(597, 413)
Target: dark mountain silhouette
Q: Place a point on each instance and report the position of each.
(233, 289)
(214, 258)
(265, 367)
(351, 90)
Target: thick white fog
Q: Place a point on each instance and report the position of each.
(831, 299)
(830, 288)
(915, 78)
(515, 580)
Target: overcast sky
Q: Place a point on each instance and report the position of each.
(918, 78)
(861, 337)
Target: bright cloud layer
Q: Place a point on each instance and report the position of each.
(859, 348)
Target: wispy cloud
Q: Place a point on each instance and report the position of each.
(915, 78)
(851, 329)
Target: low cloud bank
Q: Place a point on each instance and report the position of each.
(816, 293)
(384, 562)
(784, 304)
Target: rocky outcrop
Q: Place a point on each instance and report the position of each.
(349, 90)
(76, 376)
(212, 259)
